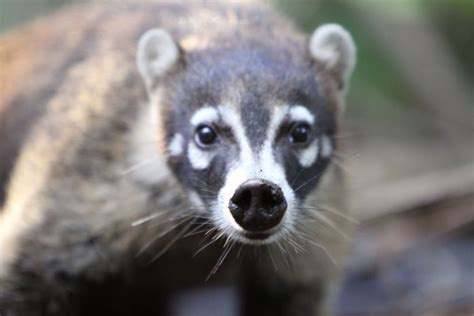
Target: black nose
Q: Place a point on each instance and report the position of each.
(258, 205)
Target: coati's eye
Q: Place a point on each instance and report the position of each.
(205, 135)
(300, 134)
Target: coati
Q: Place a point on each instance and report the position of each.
(205, 164)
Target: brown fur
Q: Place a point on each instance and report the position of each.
(68, 117)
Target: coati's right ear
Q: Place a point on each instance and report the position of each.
(334, 48)
(157, 55)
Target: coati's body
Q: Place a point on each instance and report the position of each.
(76, 137)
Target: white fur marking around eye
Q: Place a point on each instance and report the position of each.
(199, 158)
(176, 146)
(205, 115)
(300, 113)
(326, 147)
(308, 156)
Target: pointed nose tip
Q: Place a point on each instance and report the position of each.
(258, 205)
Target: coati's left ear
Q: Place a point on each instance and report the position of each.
(158, 54)
(333, 47)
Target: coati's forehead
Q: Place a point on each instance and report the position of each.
(250, 73)
(246, 86)
(253, 80)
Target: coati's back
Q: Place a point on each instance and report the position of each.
(111, 180)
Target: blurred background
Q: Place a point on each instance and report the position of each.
(409, 149)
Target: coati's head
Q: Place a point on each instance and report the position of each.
(248, 127)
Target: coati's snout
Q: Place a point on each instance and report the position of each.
(258, 205)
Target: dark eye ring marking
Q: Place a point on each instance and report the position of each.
(205, 136)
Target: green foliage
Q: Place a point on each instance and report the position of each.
(455, 20)
(376, 74)
(15, 12)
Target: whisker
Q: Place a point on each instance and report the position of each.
(197, 230)
(287, 257)
(138, 166)
(343, 156)
(227, 241)
(210, 231)
(322, 248)
(329, 222)
(221, 260)
(146, 246)
(237, 256)
(330, 210)
(218, 236)
(185, 215)
(158, 214)
(338, 162)
(176, 218)
(201, 182)
(171, 243)
(283, 250)
(158, 236)
(297, 176)
(208, 188)
(308, 181)
(147, 218)
(296, 247)
(275, 266)
(213, 240)
(282, 254)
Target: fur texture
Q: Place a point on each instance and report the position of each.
(98, 198)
